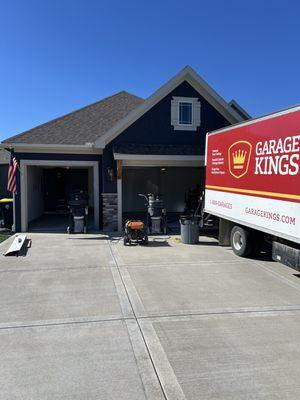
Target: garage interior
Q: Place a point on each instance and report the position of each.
(178, 186)
(48, 193)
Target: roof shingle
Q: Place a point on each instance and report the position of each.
(81, 126)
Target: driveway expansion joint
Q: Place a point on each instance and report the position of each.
(158, 365)
(63, 322)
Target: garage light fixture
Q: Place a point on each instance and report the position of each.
(110, 176)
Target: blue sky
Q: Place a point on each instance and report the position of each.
(57, 56)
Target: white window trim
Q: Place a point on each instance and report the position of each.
(185, 127)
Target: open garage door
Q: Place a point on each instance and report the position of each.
(45, 190)
(178, 186)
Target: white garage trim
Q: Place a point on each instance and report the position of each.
(120, 206)
(155, 157)
(154, 160)
(162, 163)
(13, 228)
(56, 163)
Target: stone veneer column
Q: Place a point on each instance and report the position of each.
(110, 212)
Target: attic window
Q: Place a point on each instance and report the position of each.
(185, 113)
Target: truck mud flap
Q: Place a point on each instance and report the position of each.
(286, 255)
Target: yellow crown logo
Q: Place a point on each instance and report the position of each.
(239, 157)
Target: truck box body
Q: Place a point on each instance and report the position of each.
(253, 174)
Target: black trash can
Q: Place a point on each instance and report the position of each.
(189, 229)
(6, 209)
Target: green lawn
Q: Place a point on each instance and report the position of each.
(3, 237)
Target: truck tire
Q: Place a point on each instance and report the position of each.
(241, 241)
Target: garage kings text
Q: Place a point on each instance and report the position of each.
(278, 157)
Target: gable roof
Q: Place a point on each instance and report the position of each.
(186, 74)
(239, 109)
(82, 126)
(99, 123)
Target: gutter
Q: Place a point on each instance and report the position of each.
(27, 147)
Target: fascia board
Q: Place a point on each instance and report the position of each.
(27, 147)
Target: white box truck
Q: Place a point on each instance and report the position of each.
(253, 184)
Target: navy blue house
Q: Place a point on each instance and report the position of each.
(4, 160)
(116, 148)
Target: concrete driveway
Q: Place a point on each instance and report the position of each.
(83, 317)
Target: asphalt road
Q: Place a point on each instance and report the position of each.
(83, 317)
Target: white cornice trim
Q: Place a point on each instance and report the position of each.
(163, 163)
(52, 148)
(59, 163)
(159, 157)
(187, 74)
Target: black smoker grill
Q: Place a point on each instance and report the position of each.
(78, 205)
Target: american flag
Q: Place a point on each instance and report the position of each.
(12, 174)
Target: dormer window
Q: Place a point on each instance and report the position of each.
(185, 113)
